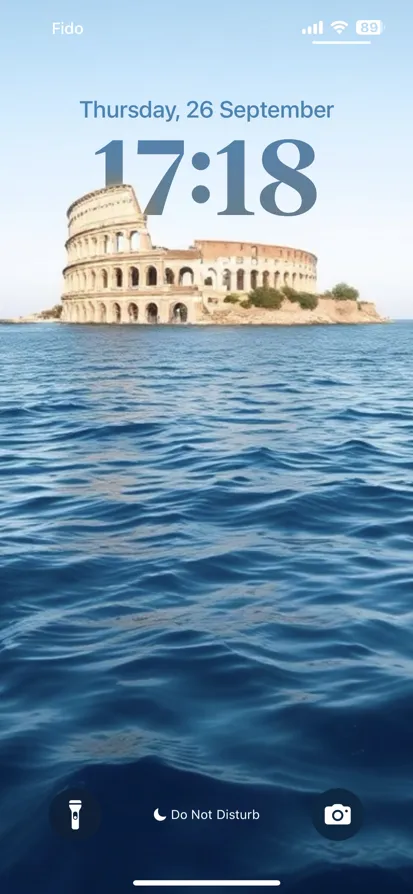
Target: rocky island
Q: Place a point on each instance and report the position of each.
(327, 311)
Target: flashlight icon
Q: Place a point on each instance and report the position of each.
(75, 808)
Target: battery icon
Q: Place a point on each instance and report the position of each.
(369, 27)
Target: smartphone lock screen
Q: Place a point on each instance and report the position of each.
(206, 446)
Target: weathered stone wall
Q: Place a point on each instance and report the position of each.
(146, 308)
(114, 274)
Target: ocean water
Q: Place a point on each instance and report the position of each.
(206, 601)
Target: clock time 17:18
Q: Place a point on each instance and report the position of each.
(235, 152)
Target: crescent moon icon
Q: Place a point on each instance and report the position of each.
(158, 816)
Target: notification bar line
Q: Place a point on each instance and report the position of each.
(205, 883)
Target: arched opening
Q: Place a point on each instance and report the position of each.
(134, 277)
(120, 242)
(151, 276)
(226, 280)
(84, 280)
(117, 313)
(286, 278)
(240, 280)
(152, 313)
(169, 277)
(102, 312)
(186, 276)
(211, 278)
(179, 313)
(86, 244)
(133, 313)
(118, 277)
(294, 277)
(94, 246)
(84, 313)
(104, 275)
(92, 280)
(265, 279)
(76, 313)
(91, 313)
(106, 244)
(276, 279)
(134, 241)
(254, 279)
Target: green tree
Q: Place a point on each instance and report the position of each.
(266, 297)
(231, 298)
(343, 292)
(307, 300)
(289, 293)
(53, 314)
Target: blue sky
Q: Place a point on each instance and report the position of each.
(131, 52)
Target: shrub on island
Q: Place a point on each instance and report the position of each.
(273, 299)
(266, 297)
(289, 293)
(246, 303)
(53, 314)
(306, 300)
(343, 292)
(231, 298)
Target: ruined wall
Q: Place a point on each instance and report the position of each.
(114, 272)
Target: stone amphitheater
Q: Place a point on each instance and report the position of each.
(115, 275)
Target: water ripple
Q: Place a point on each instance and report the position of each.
(206, 599)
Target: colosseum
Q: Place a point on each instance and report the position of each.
(115, 275)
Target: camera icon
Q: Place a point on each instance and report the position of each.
(337, 815)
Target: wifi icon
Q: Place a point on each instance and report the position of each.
(339, 26)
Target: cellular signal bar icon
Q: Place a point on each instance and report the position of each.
(318, 28)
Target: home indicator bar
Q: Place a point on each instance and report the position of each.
(205, 883)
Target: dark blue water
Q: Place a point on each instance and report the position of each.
(206, 601)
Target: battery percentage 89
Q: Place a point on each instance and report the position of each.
(369, 26)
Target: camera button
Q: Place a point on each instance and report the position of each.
(337, 814)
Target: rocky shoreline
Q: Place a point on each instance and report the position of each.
(31, 318)
(329, 311)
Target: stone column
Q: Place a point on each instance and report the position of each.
(142, 310)
(163, 310)
(196, 267)
(144, 240)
